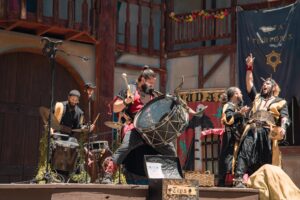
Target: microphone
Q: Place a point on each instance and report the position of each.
(47, 40)
(49, 48)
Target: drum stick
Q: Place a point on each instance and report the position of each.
(94, 122)
(124, 75)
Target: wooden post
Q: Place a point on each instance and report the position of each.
(232, 69)
(151, 30)
(84, 15)
(139, 29)
(203, 20)
(127, 26)
(39, 11)
(3, 9)
(169, 25)
(55, 11)
(200, 72)
(105, 60)
(233, 41)
(214, 24)
(71, 13)
(162, 48)
(233, 21)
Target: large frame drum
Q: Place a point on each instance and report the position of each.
(161, 120)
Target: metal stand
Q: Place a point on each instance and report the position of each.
(89, 133)
(50, 48)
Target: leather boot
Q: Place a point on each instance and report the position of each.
(238, 182)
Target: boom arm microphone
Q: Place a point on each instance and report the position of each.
(50, 46)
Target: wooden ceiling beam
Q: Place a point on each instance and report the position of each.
(139, 68)
(12, 26)
(202, 50)
(42, 31)
(74, 35)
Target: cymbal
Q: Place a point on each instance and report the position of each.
(45, 112)
(114, 125)
(56, 135)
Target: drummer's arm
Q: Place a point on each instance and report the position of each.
(120, 104)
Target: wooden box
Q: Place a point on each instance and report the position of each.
(205, 179)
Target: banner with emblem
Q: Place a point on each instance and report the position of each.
(273, 37)
(210, 119)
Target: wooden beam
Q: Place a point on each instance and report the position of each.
(84, 15)
(139, 68)
(139, 30)
(150, 31)
(214, 67)
(202, 50)
(42, 31)
(200, 71)
(71, 13)
(74, 35)
(169, 25)
(233, 21)
(14, 25)
(127, 26)
(3, 9)
(39, 11)
(232, 70)
(142, 3)
(133, 50)
(55, 11)
(105, 61)
(162, 48)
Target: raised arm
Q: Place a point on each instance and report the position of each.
(249, 73)
(122, 101)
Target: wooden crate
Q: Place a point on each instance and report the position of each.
(205, 179)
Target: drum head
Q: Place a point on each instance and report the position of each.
(68, 144)
(154, 111)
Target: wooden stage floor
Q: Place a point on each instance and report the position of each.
(111, 192)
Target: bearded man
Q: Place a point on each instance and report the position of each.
(268, 123)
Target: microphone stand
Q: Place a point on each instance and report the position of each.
(50, 49)
(90, 91)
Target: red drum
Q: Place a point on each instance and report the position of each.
(161, 120)
(98, 152)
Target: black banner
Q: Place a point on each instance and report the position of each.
(273, 37)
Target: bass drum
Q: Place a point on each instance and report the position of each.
(65, 154)
(161, 120)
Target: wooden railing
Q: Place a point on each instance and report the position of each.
(201, 29)
(138, 46)
(16, 12)
(133, 19)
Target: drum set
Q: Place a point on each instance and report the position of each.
(71, 155)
